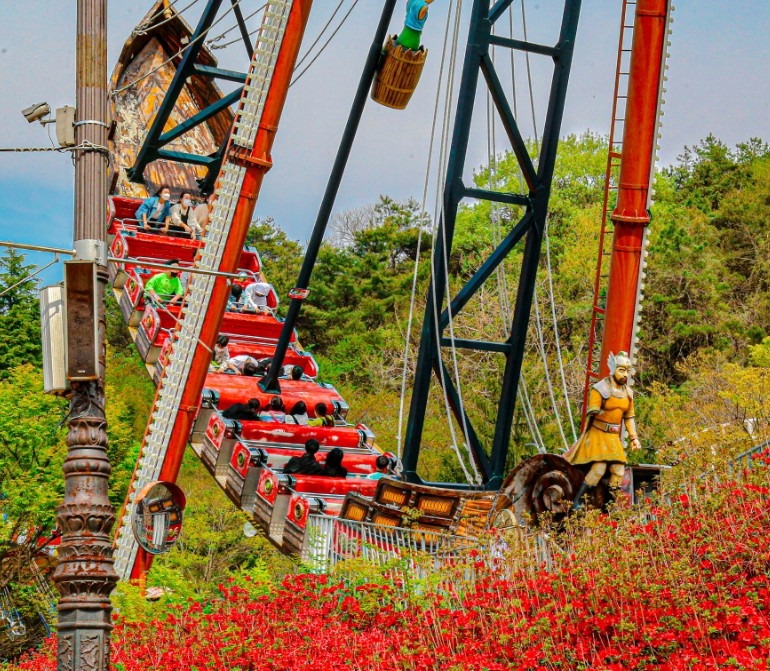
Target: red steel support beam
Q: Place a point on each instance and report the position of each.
(630, 216)
(257, 164)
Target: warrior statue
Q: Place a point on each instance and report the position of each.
(610, 405)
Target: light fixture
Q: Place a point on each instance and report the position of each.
(36, 112)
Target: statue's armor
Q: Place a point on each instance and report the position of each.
(608, 409)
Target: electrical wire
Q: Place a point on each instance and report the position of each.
(146, 26)
(547, 373)
(557, 340)
(29, 149)
(426, 182)
(211, 43)
(328, 42)
(147, 21)
(83, 146)
(320, 35)
(529, 78)
(30, 276)
(506, 312)
(439, 217)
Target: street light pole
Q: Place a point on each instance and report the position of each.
(85, 576)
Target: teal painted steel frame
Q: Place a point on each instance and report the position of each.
(152, 147)
(491, 466)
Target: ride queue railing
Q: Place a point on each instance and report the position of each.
(330, 540)
(744, 460)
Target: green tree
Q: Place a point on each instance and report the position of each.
(360, 290)
(706, 172)
(707, 277)
(19, 313)
(281, 257)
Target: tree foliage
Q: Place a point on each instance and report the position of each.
(706, 290)
(704, 344)
(19, 313)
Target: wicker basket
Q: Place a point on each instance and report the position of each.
(398, 75)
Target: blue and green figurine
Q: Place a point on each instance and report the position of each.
(416, 15)
(403, 59)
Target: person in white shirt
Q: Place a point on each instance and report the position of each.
(202, 216)
(243, 364)
(255, 296)
(220, 354)
(298, 414)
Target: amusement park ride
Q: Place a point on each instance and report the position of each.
(165, 81)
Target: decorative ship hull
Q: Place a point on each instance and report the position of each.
(145, 68)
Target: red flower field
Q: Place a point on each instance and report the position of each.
(687, 588)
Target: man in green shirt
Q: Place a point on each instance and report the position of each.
(165, 287)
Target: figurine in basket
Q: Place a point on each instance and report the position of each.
(610, 407)
(416, 15)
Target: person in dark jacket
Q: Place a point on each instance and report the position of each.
(234, 302)
(306, 464)
(248, 410)
(333, 466)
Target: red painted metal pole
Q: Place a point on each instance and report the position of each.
(258, 163)
(630, 216)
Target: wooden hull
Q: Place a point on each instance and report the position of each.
(146, 66)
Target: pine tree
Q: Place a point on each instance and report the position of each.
(19, 313)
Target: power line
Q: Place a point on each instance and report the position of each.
(83, 146)
(147, 21)
(146, 26)
(320, 35)
(426, 186)
(210, 43)
(328, 42)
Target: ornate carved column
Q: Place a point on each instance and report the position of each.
(85, 576)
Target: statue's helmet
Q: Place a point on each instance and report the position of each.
(619, 359)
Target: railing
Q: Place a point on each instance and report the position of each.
(745, 459)
(329, 540)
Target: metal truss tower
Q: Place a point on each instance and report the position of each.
(528, 231)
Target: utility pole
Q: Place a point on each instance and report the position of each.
(85, 576)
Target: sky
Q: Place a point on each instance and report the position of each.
(717, 83)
